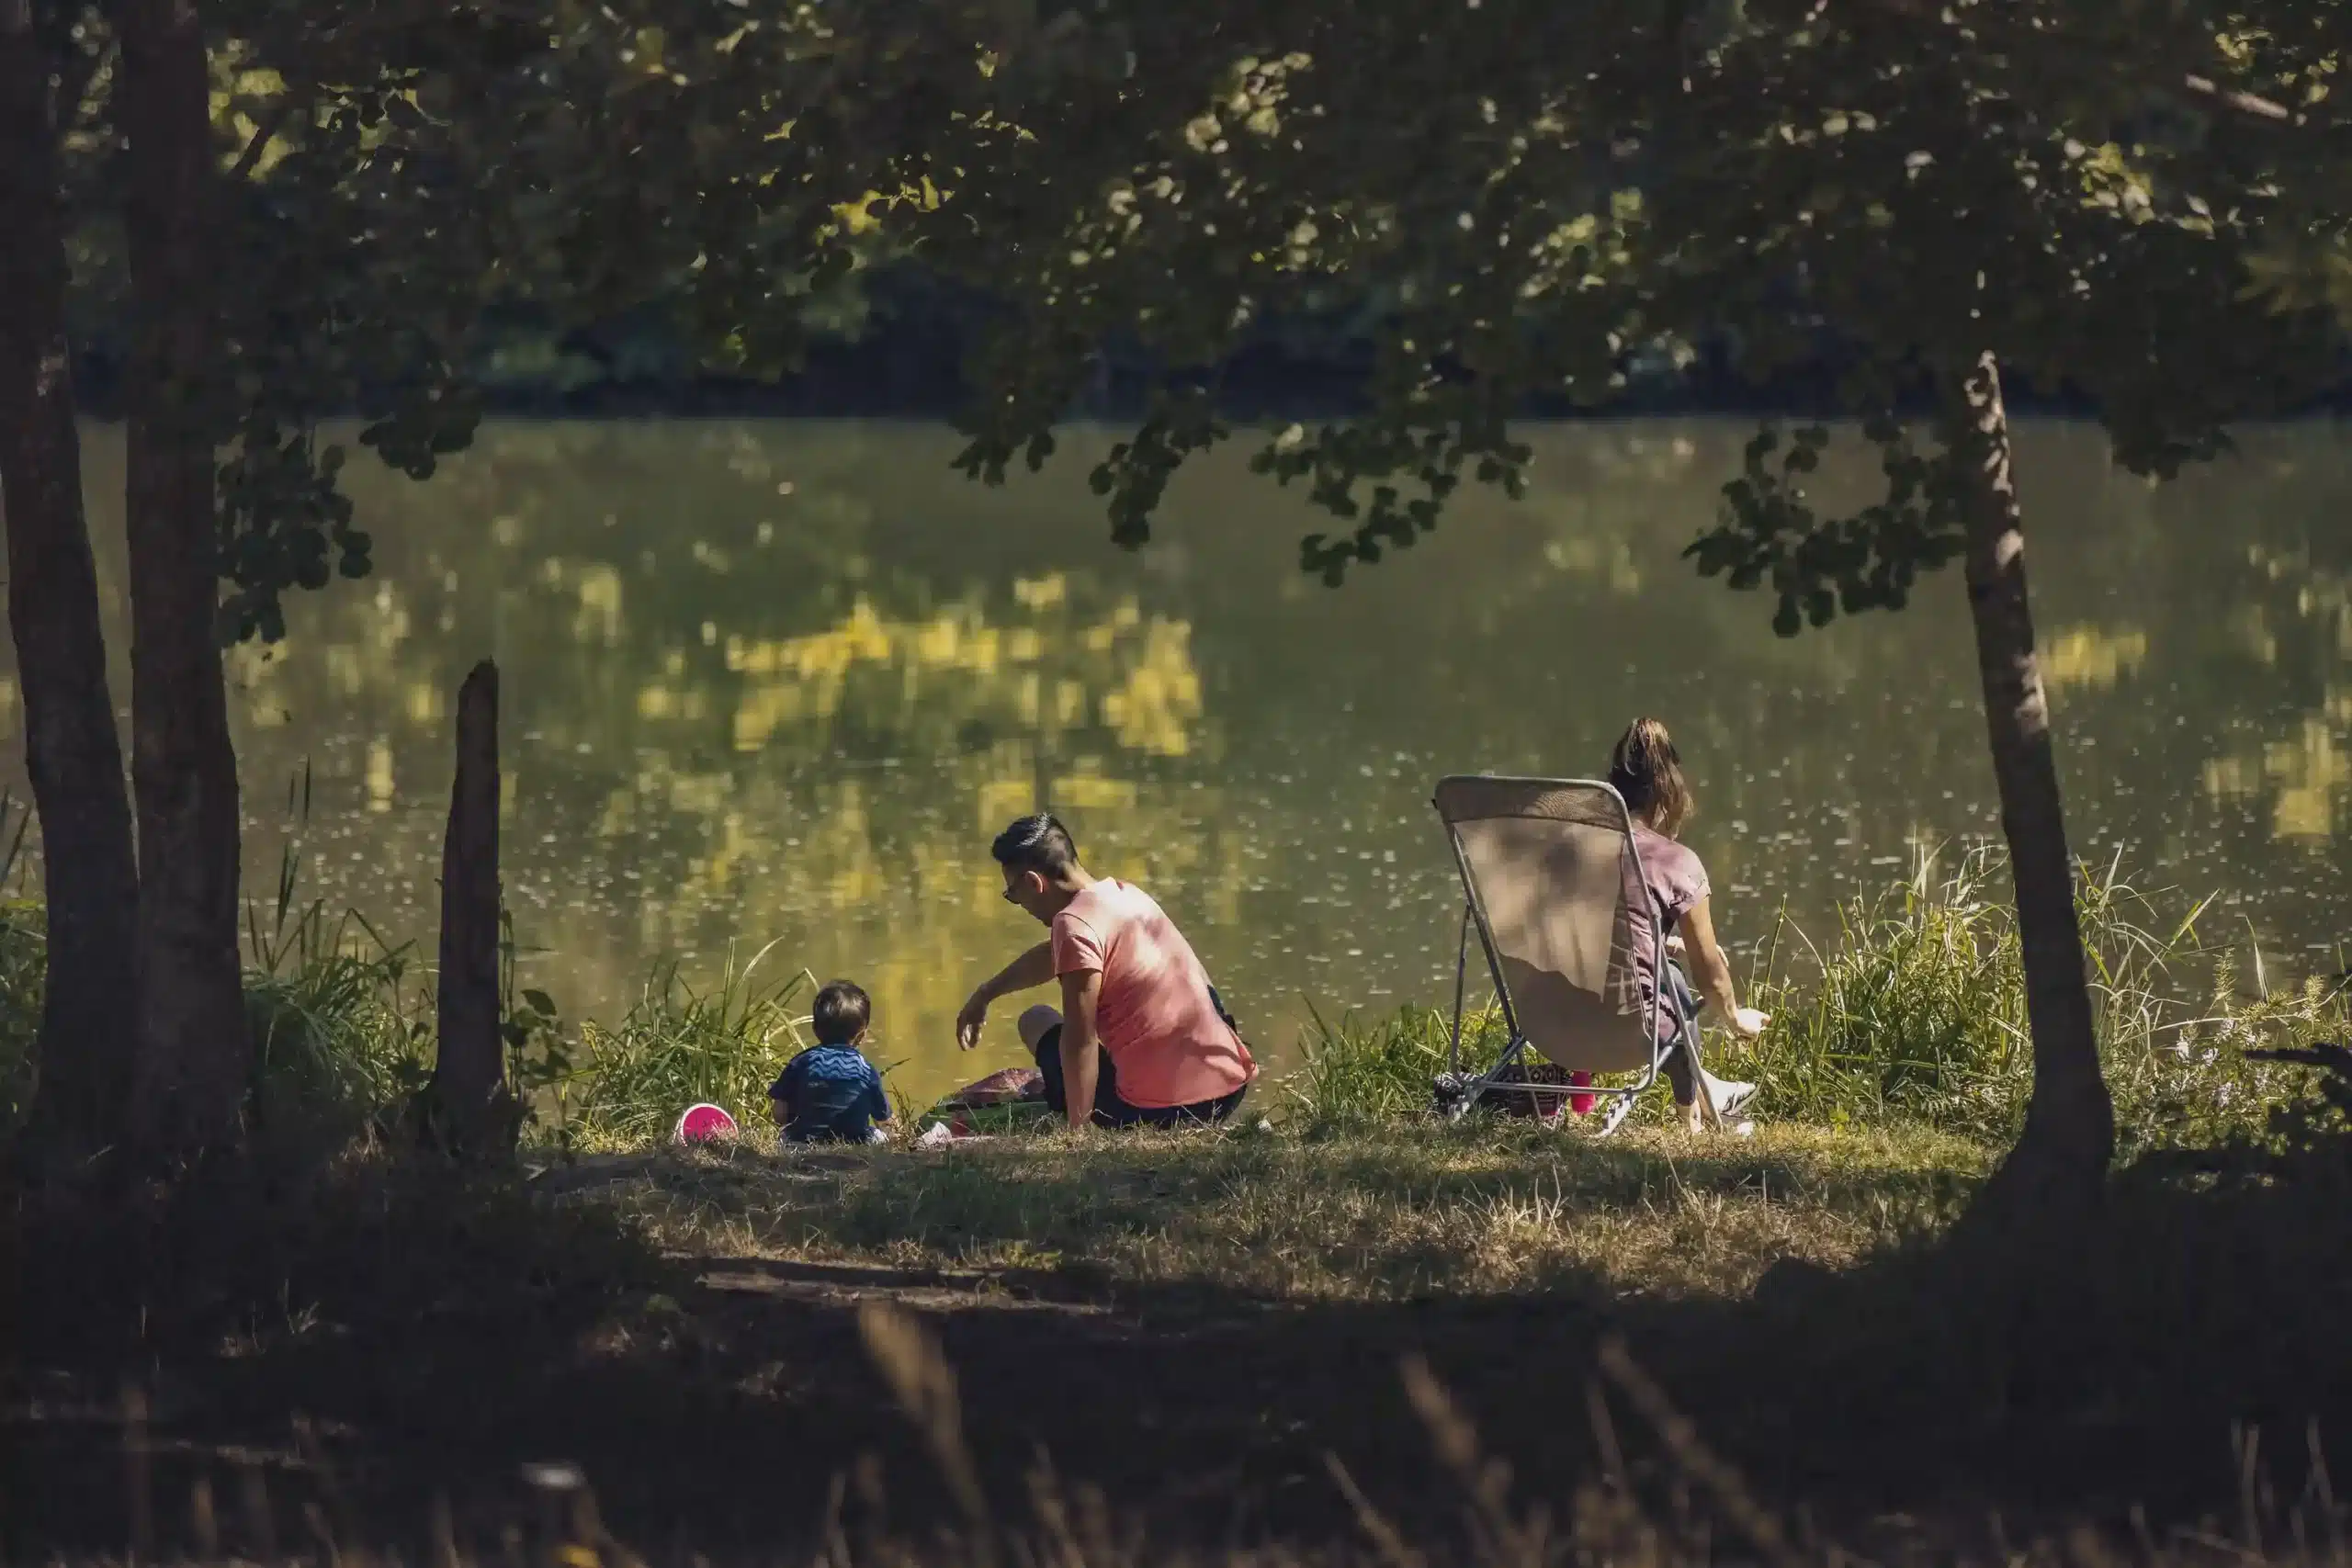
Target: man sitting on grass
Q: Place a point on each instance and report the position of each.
(1141, 1039)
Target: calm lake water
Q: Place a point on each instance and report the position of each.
(781, 682)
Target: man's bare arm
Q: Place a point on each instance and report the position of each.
(1081, 1050)
(1031, 969)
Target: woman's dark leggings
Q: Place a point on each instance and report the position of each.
(1682, 1056)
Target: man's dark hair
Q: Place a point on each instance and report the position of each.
(1038, 843)
(841, 1013)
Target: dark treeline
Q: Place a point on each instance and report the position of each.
(899, 351)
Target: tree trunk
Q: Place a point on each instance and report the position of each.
(195, 1049)
(2059, 1166)
(71, 753)
(469, 1104)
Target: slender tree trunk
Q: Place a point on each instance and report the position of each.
(72, 752)
(2060, 1163)
(195, 1050)
(469, 1096)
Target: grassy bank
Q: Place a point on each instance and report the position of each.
(1908, 1017)
(1911, 1014)
(1410, 1212)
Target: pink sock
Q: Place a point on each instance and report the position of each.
(1581, 1104)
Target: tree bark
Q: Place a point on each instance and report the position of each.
(71, 753)
(2059, 1166)
(195, 1049)
(469, 1101)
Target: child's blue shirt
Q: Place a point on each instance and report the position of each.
(830, 1093)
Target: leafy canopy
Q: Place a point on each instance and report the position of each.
(1527, 201)
(1516, 200)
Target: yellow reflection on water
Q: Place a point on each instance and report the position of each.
(2309, 773)
(2092, 657)
(380, 774)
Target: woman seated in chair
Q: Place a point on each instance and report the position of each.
(1646, 769)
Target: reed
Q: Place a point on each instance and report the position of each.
(680, 1044)
(1355, 1071)
(1915, 1011)
(24, 960)
(1912, 1013)
(1909, 1013)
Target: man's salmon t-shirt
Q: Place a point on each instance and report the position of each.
(1154, 1014)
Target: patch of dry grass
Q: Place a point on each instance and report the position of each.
(1404, 1212)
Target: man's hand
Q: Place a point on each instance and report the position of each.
(1035, 968)
(1747, 1022)
(968, 1021)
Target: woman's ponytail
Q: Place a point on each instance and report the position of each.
(1646, 768)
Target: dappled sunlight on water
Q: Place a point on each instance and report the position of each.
(770, 681)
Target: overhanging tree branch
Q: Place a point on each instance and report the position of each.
(266, 132)
(2251, 107)
(2241, 102)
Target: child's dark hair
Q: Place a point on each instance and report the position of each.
(841, 1013)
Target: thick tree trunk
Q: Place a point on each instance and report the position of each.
(469, 1104)
(195, 1050)
(2059, 1166)
(71, 753)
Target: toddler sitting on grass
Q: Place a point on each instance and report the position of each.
(830, 1093)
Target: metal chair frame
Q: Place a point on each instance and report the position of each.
(1474, 916)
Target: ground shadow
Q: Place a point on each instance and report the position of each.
(366, 1341)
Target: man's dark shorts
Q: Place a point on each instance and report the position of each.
(1110, 1110)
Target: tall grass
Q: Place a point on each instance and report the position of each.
(1353, 1071)
(344, 1021)
(678, 1045)
(1910, 1013)
(342, 1026)
(1913, 1012)
(24, 962)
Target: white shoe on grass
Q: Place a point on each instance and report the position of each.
(1728, 1094)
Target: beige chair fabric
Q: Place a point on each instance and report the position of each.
(1551, 866)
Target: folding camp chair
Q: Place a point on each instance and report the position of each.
(1549, 868)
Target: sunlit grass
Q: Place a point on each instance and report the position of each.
(680, 1045)
(1910, 1016)
(1394, 1214)
(1912, 1013)
(1355, 1071)
(1916, 1012)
